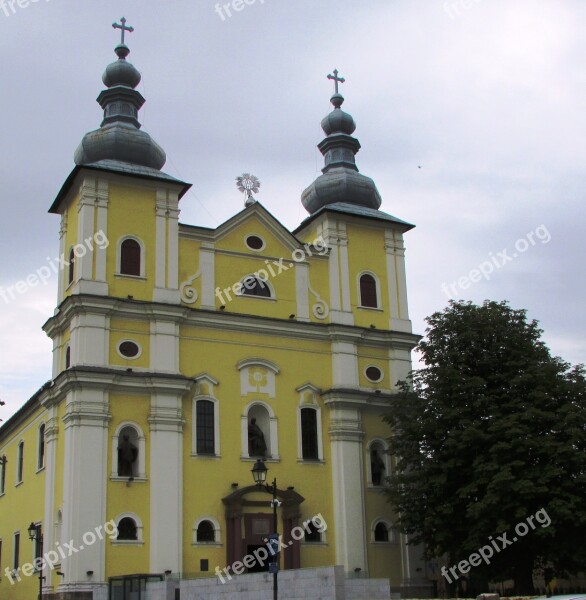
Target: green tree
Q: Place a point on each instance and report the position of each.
(490, 431)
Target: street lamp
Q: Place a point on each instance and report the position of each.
(259, 473)
(35, 534)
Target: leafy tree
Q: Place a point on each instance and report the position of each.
(489, 432)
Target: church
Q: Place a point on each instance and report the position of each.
(190, 362)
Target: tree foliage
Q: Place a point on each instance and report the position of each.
(491, 430)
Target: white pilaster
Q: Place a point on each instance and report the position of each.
(164, 346)
(344, 364)
(397, 282)
(167, 247)
(166, 464)
(89, 340)
(302, 291)
(51, 435)
(348, 486)
(62, 273)
(84, 482)
(208, 276)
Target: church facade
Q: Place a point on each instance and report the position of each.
(183, 355)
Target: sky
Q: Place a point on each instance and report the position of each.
(470, 113)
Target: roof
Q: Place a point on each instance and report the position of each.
(119, 167)
(359, 211)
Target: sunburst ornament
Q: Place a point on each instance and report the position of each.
(248, 184)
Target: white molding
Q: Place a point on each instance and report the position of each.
(164, 346)
(139, 528)
(260, 237)
(388, 524)
(207, 262)
(302, 291)
(265, 370)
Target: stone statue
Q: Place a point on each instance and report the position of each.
(256, 440)
(377, 466)
(127, 455)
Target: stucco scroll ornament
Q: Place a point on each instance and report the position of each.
(320, 309)
(188, 292)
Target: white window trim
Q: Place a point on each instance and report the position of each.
(324, 533)
(18, 462)
(320, 448)
(264, 244)
(142, 257)
(66, 272)
(129, 357)
(141, 468)
(216, 404)
(389, 527)
(386, 459)
(217, 533)
(139, 530)
(379, 304)
(382, 373)
(273, 431)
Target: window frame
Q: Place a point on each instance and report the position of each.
(139, 541)
(377, 291)
(264, 282)
(217, 542)
(142, 262)
(41, 447)
(141, 459)
(20, 463)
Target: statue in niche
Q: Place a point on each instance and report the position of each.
(377, 467)
(127, 455)
(256, 440)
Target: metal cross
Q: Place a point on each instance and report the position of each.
(125, 29)
(336, 79)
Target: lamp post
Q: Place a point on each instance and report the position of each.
(259, 473)
(35, 534)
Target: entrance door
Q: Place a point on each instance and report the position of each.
(257, 528)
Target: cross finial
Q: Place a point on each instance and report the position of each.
(123, 27)
(336, 79)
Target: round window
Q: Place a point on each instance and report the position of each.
(254, 242)
(129, 349)
(374, 374)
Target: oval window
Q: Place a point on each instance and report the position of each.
(254, 242)
(129, 349)
(373, 374)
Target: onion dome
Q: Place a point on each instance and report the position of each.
(119, 137)
(341, 181)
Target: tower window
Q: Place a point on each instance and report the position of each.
(130, 258)
(20, 462)
(41, 457)
(129, 349)
(309, 443)
(368, 295)
(255, 286)
(68, 357)
(254, 242)
(373, 374)
(205, 427)
(71, 268)
(381, 533)
(206, 532)
(127, 529)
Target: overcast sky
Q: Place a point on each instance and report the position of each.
(471, 116)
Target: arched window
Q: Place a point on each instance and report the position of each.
(255, 286)
(41, 455)
(128, 452)
(130, 258)
(206, 532)
(20, 462)
(68, 357)
(205, 427)
(127, 529)
(309, 439)
(368, 291)
(381, 532)
(71, 269)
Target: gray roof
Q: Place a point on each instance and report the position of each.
(359, 211)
